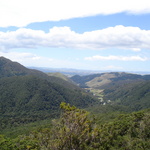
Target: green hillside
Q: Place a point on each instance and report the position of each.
(118, 88)
(29, 95)
(136, 95)
(82, 80)
(104, 79)
(60, 75)
(28, 98)
(75, 129)
(9, 68)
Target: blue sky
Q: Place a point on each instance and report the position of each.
(81, 34)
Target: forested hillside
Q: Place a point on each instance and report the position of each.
(29, 95)
(9, 68)
(135, 95)
(76, 130)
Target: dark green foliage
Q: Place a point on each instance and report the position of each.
(10, 69)
(130, 131)
(24, 129)
(107, 113)
(75, 130)
(136, 95)
(29, 95)
(27, 98)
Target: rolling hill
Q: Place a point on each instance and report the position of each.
(105, 79)
(60, 75)
(118, 88)
(135, 95)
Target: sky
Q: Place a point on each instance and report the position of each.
(80, 34)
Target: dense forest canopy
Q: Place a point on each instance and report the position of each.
(75, 130)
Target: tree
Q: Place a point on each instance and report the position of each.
(75, 131)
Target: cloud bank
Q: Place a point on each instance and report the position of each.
(23, 12)
(119, 58)
(120, 37)
(34, 60)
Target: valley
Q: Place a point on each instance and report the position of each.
(118, 88)
(47, 110)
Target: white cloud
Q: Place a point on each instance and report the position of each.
(33, 60)
(29, 59)
(136, 49)
(20, 57)
(23, 12)
(113, 37)
(120, 58)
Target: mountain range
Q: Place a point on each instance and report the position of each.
(28, 95)
(31, 118)
(82, 72)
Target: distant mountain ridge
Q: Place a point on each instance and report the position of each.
(104, 79)
(82, 72)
